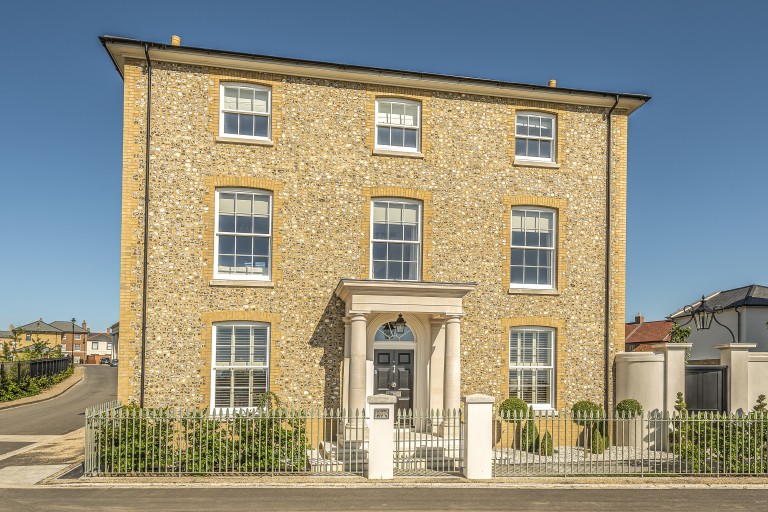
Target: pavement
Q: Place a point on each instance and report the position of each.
(41, 439)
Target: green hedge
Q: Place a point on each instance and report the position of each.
(10, 389)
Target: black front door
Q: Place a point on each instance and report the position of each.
(393, 375)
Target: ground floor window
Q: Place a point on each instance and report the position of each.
(531, 365)
(240, 363)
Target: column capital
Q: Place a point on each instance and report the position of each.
(356, 316)
(736, 346)
(453, 317)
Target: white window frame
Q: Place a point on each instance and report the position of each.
(78, 337)
(215, 366)
(553, 249)
(553, 139)
(216, 233)
(77, 346)
(416, 128)
(418, 242)
(550, 367)
(109, 346)
(63, 337)
(94, 345)
(223, 111)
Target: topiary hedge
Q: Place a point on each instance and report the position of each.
(513, 410)
(629, 408)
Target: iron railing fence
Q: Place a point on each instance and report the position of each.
(21, 371)
(566, 443)
(428, 443)
(134, 441)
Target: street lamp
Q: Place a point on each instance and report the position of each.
(703, 314)
(72, 354)
(400, 324)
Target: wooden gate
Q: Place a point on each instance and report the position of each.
(706, 388)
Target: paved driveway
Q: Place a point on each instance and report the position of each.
(66, 412)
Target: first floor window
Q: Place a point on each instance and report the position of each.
(63, 347)
(78, 336)
(531, 365)
(532, 248)
(28, 337)
(240, 363)
(77, 346)
(243, 242)
(63, 337)
(95, 345)
(109, 346)
(396, 239)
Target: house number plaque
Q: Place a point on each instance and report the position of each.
(381, 414)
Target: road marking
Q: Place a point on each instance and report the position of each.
(35, 440)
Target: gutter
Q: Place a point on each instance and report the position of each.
(607, 313)
(146, 229)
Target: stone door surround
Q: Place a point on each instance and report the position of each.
(440, 303)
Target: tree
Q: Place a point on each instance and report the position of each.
(679, 334)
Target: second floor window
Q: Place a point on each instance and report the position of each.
(532, 248)
(243, 244)
(245, 111)
(95, 345)
(398, 125)
(396, 240)
(535, 137)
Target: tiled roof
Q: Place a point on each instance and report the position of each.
(100, 336)
(647, 332)
(752, 295)
(39, 327)
(6, 334)
(67, 326)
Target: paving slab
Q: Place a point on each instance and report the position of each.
(12, 476)
(7, 447)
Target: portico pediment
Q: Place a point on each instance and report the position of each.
(372, 296)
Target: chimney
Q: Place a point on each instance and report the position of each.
(109, 331)
(175, 40)
(639, 318)
(84, 326)
(552, 83)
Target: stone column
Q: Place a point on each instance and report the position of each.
(674, 371)
(357, 362)
(478, 437)
(345, 367)
(452, 373)
(736, 357)
(436, 364)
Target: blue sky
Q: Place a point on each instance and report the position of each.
(697, 181)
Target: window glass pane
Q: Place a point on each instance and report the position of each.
(410, 252)
(260, 344)
(223, 388)
(242, 345)
(409, 271)
(227, 223)
(244, 224)
(410, 213)
(518, 238)
(411, 115)
(244, 245)
(397, 137)
(379, 269)
(379, 251)
(261, 101)
(226, 245)
(394, 270)
(261, 246)
(225, 262)
(230, 98)
(230, 123)
(544, 276)
(260, 383)
(382, 137)
(385, 108)
(261, 225)
(398, 113)
(521, 147)
(261, 126)
(534, 126)
(260, 265)
(379, 212)
(545, 220)
(246, 124)
(395, 231)
(516, 276)
(533, 148)
(395, 252)
(530, 276)
(411, 232)
(522, 125)
(380, 231)
(546, 149)
(546, 127)
(395, 213)
(245, 101)
(411, 139)
(260, 205)
(226, 203)
(516, 257)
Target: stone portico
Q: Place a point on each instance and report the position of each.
(432, 311)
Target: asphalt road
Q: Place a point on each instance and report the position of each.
(419, 499)
(66, 412)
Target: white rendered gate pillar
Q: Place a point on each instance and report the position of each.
(357, 363)
(452, 374)
(478, 437)
(381, 435)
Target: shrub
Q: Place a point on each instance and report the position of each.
(596, 442)
(629, 408)
(588, 414)
(529, 437)
(546, 447)
(761, 406)
(513, 410)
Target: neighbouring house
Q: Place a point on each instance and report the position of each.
(67, 335)
(114, 330)
(744, 313)
(640, 336)
(327, 232)
(100, 344)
